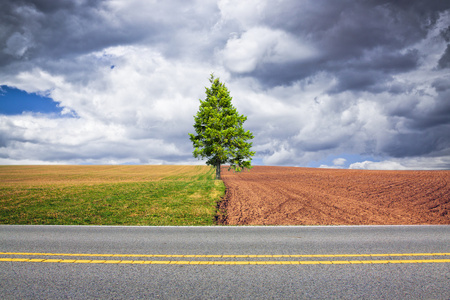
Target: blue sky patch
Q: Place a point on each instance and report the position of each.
(15, 102)
(343, 160)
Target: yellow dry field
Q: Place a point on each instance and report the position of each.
(86, 175)
(109, 195)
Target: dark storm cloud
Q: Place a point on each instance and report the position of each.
(437, 114)
(426, 129)
(445, 33)
(39, 30)
(276, 74)
(441, 84)
(377, 36)
(418, 143)
(53, 29)
(367, 48)
(444, 61)
(373, 75)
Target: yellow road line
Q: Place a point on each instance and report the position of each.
(179, 262)
(226, 255)
(239, 262)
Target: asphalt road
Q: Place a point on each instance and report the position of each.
(37, 262)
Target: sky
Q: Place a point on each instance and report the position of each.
(343, 84)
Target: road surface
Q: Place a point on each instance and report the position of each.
(305, 262)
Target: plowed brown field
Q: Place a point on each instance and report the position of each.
(308, 196)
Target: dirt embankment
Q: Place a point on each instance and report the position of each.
(307, 196)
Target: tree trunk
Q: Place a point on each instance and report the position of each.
(218, 171)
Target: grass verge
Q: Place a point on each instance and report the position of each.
(109, 195)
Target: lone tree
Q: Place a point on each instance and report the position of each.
(220, 135)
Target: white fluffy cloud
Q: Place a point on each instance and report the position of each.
(261, 45)
(382, 165)
(140, 111)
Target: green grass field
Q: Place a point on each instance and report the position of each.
(109, 195)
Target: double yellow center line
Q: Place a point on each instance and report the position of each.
(175, 259)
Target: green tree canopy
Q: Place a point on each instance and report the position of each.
(220, 136)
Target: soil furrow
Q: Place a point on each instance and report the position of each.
(307, 196)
